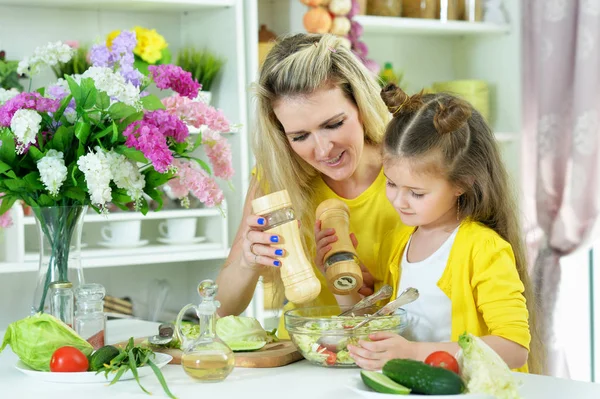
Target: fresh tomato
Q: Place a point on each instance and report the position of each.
(442, 359)
(68, 359)
(331, 356)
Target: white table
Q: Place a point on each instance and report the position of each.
(299, 380)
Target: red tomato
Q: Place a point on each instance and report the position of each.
(444, 360)
(68, 360)
(331, 356)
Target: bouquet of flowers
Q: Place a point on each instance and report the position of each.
(151, 48)
(98, 138)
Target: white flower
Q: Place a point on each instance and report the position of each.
(96, 169)
(53, 171)
(114, 85)
(50, 54)
(6, 95)
(25, 125)
(126, 175)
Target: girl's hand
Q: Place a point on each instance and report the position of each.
(384, 346)
(256, 247)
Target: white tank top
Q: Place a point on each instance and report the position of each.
(430, 316)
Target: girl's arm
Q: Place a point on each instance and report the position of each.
(386, 346)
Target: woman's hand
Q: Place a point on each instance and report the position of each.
(368, 287)
(383, 347)
(256, 246)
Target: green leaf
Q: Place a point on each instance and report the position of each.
(115, 133)
(33, 181)
(63, 105)
(151, 103)
(138, 116)
(161, 379)
(75, 89)
(101, 134)
(76, 193)
(82, 131)
(131, 153)
(16, 185)
(133, 368)
(120, 110)
(202, 164)
(144, 206)
(120, 196)
(35, 154)
(7, 150)
(88, 93)
(5, 169)
(155, 179)
(7, 203)
(62, 139)
(155, 195)
(46, 200)
(198, 141)
(102, 100)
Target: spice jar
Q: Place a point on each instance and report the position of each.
(474, 10)
(384, 8)
(61, 301)
(90, 321)
(420, 9)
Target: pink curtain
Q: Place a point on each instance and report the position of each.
(560, 143)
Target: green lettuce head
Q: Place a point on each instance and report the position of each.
(242, 333)
(35, 338)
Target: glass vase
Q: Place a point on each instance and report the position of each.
(59, 229)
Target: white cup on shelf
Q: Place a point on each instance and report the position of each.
(122, 232)
(178, 229)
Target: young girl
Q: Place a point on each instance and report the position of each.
(465, 254)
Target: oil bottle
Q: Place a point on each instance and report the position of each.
(207, 358)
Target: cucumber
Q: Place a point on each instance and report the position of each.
(102, 356)
(246, 346)
(423, 378)
(382, 384)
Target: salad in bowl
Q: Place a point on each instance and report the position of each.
(323, 337)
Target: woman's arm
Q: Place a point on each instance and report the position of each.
(238, 277)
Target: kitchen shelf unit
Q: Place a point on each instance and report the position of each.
(421, 26)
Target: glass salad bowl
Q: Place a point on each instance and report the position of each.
(322, 336)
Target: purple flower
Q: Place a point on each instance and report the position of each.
(100, 56)
(174, 78)
(354, 10)
(33, 101)
(121, 53)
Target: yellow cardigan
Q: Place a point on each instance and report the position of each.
(480, 278)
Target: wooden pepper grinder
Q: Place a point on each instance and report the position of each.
(301, 284)
(342, 267)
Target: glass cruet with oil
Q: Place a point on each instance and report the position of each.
(205, 358)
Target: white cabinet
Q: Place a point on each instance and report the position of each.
(217, 25)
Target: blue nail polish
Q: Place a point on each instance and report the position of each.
(274, 239)
(279, 252)
(261, 220)
(277, 263)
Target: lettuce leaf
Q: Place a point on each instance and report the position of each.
(484, 371)
(35, 338)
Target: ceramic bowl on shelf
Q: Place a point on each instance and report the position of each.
(322, 336)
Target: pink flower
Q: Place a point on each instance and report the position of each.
(5, 219)
(173, 77)
(197, 113)
(150, 137)
(72, 43)
(33, 101)
(219, 153)
(190, 177)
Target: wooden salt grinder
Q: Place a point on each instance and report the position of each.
(301, 284)
(342, 267)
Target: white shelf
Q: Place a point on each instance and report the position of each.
(124, 5)
(421, 26)
(94, 258)
(151, 215)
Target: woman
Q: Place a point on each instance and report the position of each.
(318, 103)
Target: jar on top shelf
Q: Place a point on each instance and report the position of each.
(384, 8)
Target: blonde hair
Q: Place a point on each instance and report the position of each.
(299, 65)
(427, 126)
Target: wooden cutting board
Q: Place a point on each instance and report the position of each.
(275, 354)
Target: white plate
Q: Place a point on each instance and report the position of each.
(357, 385)
(171, 241)
(108, 244)
(87, 377)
